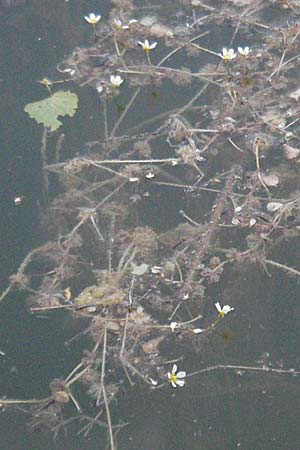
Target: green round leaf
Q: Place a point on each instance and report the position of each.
(47, 111)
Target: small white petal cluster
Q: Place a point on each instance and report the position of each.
(116, 81)
(244, 51)
(120, 26)
(173, 325)
(229, 54)
(92, 18)
(147, 46)
(176, 378)
(223, 310)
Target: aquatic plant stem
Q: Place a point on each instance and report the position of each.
(206, 238)
(122, 116)
(246, 368)
(282, 266)
(108, 416)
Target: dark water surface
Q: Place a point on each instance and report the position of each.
(219, 410)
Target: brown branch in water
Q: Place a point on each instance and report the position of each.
(206, 239)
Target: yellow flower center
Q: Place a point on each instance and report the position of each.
(173, 378)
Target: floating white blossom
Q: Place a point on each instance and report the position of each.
(147, 46)
(173, 325)
(116, 81)
(92, 18)
(120, 26)
(244, 51)
(227, 55)
(222, 311)
(150, 175)
(176, 378)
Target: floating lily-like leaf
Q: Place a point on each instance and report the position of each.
(47, 111)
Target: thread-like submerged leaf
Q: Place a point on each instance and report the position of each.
(47, 111)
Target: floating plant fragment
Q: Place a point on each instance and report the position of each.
(291, 152)
(274, 206)
(295, 94)
(139, 270)
(47, 111)
(198, 330)
(270, 180)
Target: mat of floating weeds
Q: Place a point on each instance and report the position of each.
(202, 186)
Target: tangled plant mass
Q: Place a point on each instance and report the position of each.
(135, 267)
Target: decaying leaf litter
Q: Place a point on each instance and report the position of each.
(151, 216)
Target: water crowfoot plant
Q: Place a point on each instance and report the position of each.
(147, 47)
(163, 209)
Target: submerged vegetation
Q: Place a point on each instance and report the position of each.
(149, 219)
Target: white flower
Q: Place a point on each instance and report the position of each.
(176, 378)
(92, 18)
(120, 26)
(116, 81)
(244, 51)
(147, 46)
(227, 55)
(99, 87)
(173, 325)
(222, 311)
(150, 175)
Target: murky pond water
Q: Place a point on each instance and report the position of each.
(150, 225)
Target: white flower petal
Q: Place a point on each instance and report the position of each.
(226, 309)
(173, 325)
(181, 374)
(218, 307)
(174, 368)
(173, 384)
(197, 330)
(181, 383)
